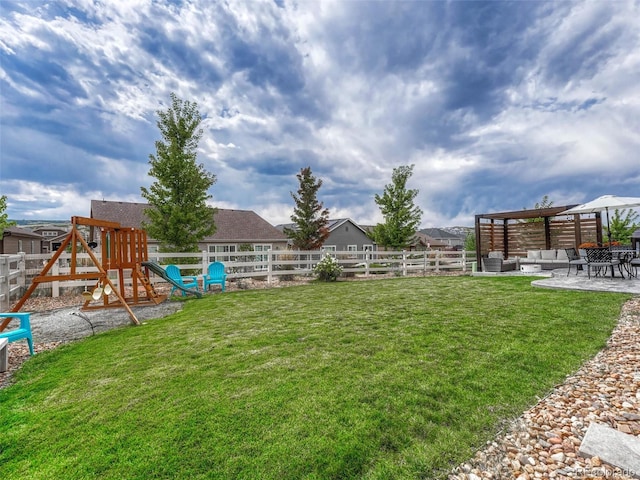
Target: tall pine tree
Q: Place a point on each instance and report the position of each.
(178, 213)
(309, 215)
(401, 216)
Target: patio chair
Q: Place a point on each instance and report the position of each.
(495, 263)
(187, 281)
(574, 260)
(634, 264)
(601, 259)
(23, 332)
(215, 276)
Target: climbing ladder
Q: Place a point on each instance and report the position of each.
(152, 295)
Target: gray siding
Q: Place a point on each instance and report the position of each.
(347, 234)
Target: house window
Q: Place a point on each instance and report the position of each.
(352, 248)
(368, 248)
(20, 246)
(152, 249)
(223, 249)
(328, 248)
(261, 258)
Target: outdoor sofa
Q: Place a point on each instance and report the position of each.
(547, 259)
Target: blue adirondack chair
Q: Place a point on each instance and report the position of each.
(187, 282)
(215, 275)
(23, 332)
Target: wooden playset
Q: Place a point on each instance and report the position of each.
(124, 249)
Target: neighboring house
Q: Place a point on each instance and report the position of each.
(344, 235)
(51, 231)
(53, 244)
(20, 240)
(422, 241)
(234, 228)
(419, 241)
(53, 236)
(442, 237)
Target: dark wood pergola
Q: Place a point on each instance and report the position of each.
(515, 232)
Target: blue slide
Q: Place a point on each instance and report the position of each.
(158, 270)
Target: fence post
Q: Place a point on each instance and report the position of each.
(437, 261)
(55, 285)
(22, 267)
(464, 261)
(204, 262)
(4, 283)
(404, 263)
(269, 266)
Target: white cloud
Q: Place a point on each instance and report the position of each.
(353, 89)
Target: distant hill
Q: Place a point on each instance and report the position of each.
(461, 231)
(32, 223)
(38, 222)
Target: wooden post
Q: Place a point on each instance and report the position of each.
(577, 227)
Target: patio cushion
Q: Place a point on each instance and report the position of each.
(533, 254)
(562, 255)
(548, 254)
(496, 254)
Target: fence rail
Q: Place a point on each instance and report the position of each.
(17, 271)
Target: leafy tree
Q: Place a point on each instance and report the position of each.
(623, 225)
(401, 216)
(470, 241)
(4, 219)
(179, 216)
(309, 215)
(545, 203)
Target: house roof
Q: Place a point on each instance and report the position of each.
(21, 232)
(332, 224)
(424, 239)
(231, 225)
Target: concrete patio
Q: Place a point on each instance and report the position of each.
(558, 279)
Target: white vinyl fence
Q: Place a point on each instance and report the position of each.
(17, 271)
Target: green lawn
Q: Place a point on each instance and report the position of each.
(400, 378)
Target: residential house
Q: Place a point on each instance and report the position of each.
(443, 237)
(422, 241)
(20, 240)
(235, 229)
(419, 241)
(53, 236)
(344, 235)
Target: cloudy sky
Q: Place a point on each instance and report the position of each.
(495, 103)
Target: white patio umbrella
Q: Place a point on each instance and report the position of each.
(605, 202)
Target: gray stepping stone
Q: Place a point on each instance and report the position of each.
(616, 448)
